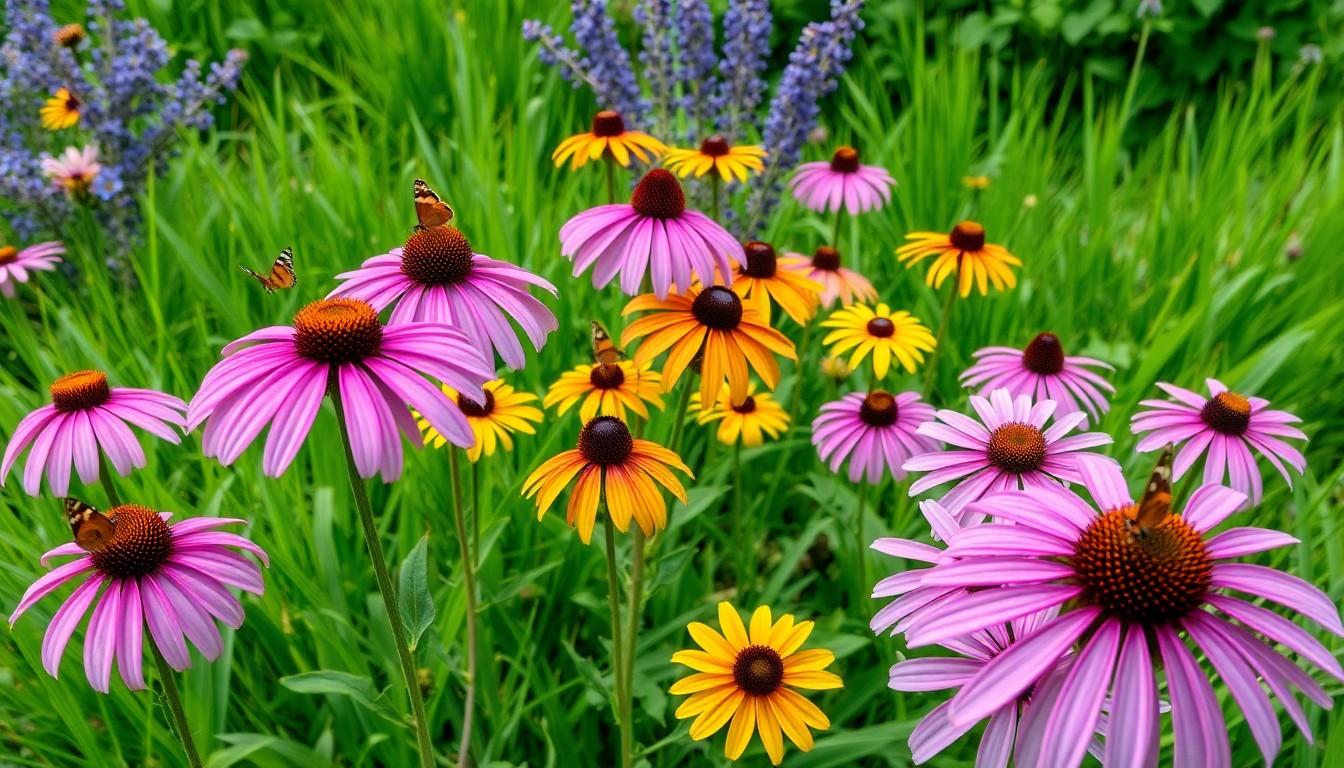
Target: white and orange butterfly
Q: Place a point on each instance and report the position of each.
(430, 210)
(92, 529)
(281, 274)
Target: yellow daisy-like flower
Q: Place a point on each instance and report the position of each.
(607, 389)
(757, 416)
(614, 466)
(760, 277)
(607, 136)
(749, 677)
(715, 154)
(884, 333)
(493, 422)
(60, 111)
(965, 252)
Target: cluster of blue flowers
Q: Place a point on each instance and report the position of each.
(126, 112)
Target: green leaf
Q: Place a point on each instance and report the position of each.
(417, 605)
(330, 682)
(1078, 24)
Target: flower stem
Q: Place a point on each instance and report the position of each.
(744, 561)
(679, 416)
(714, 204)
(835, 232)
(937, 353)
(469, 584)
(384, 585)
(105, 477)
(617, 647)
(632, 641)
(611, 179)
(180, 723)
(860, 550)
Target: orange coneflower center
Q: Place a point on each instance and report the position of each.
(1044, 355)
(605, 440)
(967, 236)
(474, 409)
(845, 160)
(339, 330)
(718, 308)
(1152, 577)
(746, 406)
(608, 123)
(658, 195)
(606, 376)
(437, 256)
(70, 35)
(8, 254)
(79, 390)
(1228, 413)
(826, 258)
(761, 259)
(139, 545)
(1017, 448)
(878, 409)
(714, 146)
(758, 670)
(881, 327)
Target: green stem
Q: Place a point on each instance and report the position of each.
(180, 723)
(384, 584)
(469, 584)
(861, 551)
(679, 416)
(611, 179)
(835, 232)
(632, 642)
(109, 488)
(744, 562)
(937, 353)
(617, 648)
(715, 206)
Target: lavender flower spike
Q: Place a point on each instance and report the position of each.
(609, 62)
(695, 43)
(655, 16)
(746, 45)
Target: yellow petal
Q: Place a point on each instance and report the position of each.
(733, 630)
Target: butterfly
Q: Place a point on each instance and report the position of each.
(281, 274)
(605, 350)
(93, 530)
(1155, 506)
(429, 209)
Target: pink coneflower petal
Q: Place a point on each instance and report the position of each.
(130, 637)
(164, 627)
(1201, 735)
(1133, 741)
(100, 642)
(65, 621)
(874, 432)
(1074, 718)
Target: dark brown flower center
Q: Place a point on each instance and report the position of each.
(607, 376)
(605, 440)
(437, 256)
(339, 330)
(826, 257)
(967, 236)
(139, 545)
(845, 160)
(1017, 448)
(761, 259)
(1044, 355)
(714, 146)
(1228, 413)
(746, 406)
(71, 102)
(658, 195)
(881, 327)
(70, 35)
(758, 670)
(80, 390)
(1152, 577)
(472, 408)
(608, 123)
(8, 254)
(878, 409)
(718, 308)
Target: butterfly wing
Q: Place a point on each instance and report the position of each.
(1155, 506)
(604, 349)
(92, 529)
(281, 274)
(430, 210)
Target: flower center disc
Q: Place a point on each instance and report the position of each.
(658, 195)
(878, 409)
(608, 123)
(605, 440)
(140, 543)
(1152, 578)
(967, 236)
(881, 327)
(826, 258)
(339, 330)
(437, 256)
(718, 308)
(70, 35)
(1017, 448)
(79, 390)
(845, 160)
(761, 259)
(8, 254)
(474, 409)
(1044, 355)
(746, 406)
(1228, 413)
(606, 376)
(758, 670)
(714, 146)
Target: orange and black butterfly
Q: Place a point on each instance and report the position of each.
(93, 530)
(281, 274)
(604, 349)
(1155, 506)
(430, 210)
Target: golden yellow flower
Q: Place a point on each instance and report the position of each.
(749, 677)
(607, 389)
(751, 420)
(884, 333)
(835, 367)
(493, 422)
(975, 182)
(760, 277)
(60, 111)
(715, 154)
(962, 251)
(607, 136)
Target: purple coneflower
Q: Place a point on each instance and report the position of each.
(15, 263)
(655, 234)
(437, 278)
(1128, 588)
(875, 431)
(1226, 424)
(1043, 372)
(837, 282)
(74, 170)
(1009, 447)
(85, 421)
(279, 375)
(842, 182)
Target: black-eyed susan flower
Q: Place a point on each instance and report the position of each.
(607, 389)
(712, 324)
(760, 279)
(963, 252)
(614, 467)
(884, 333)
(608, 136)
(493, 422)
(749, 677)
(716, 154)
(60, 111)
(751, 420)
